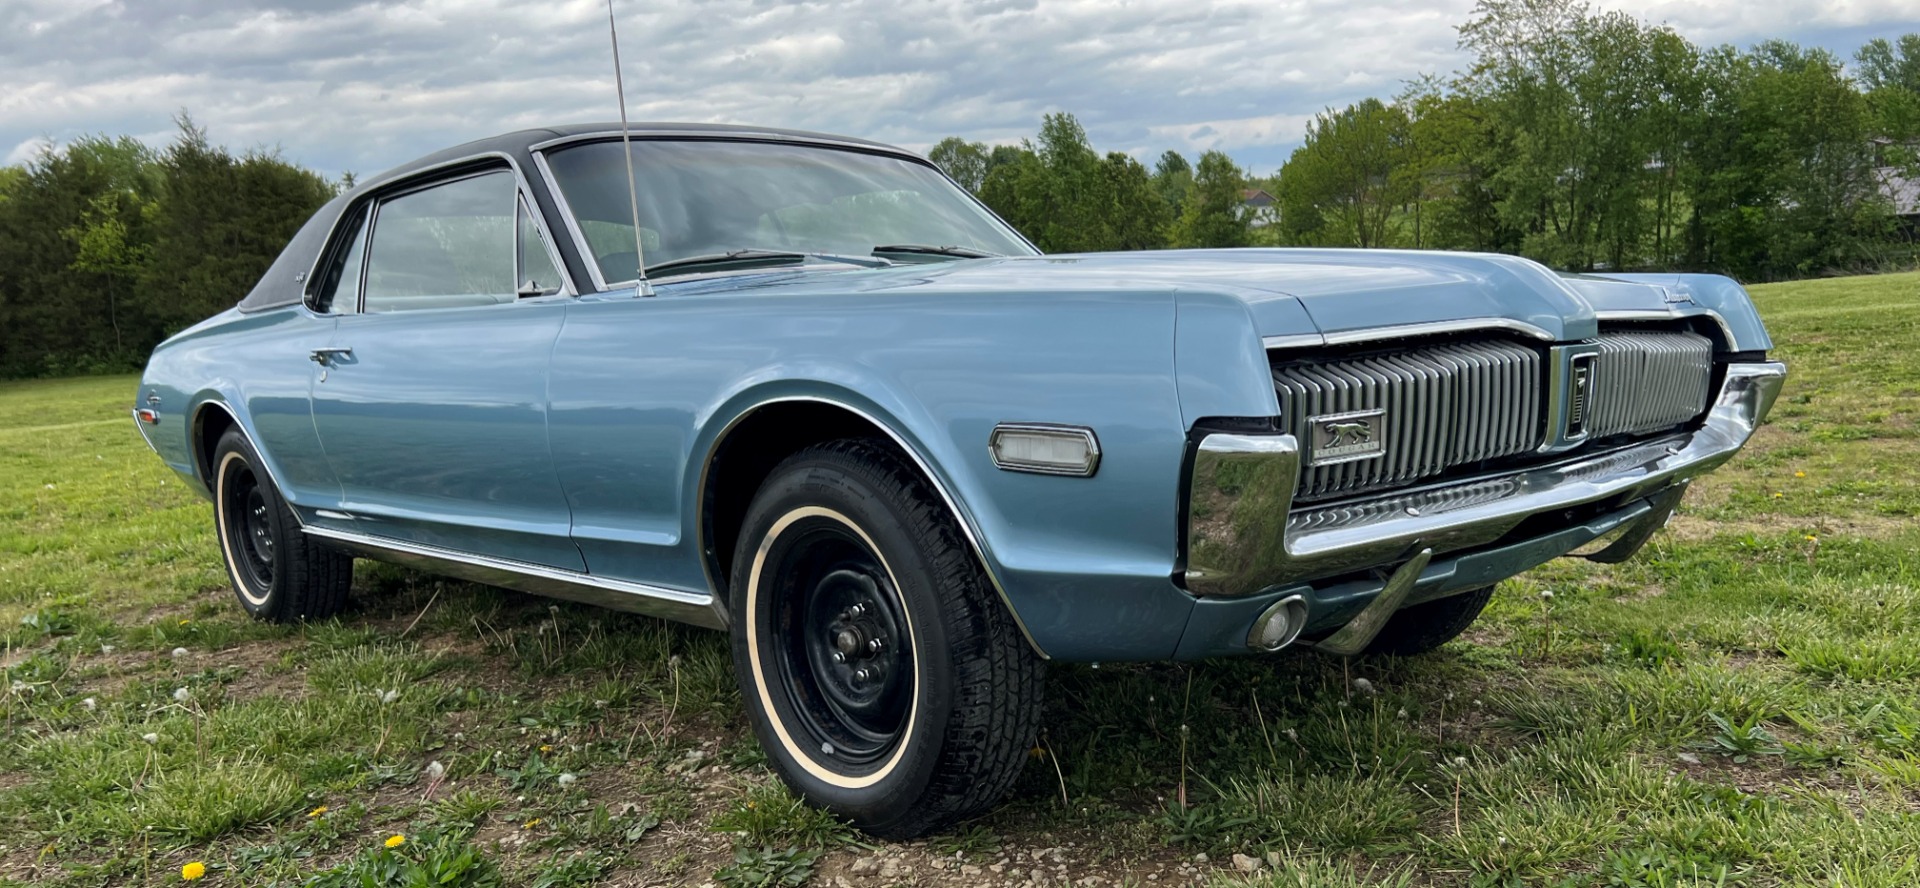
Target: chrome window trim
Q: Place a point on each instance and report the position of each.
(953, 505)
(523, 204)
(413, 181)
(580, 245)
(539, 579)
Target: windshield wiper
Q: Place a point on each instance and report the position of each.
(752, 258)
(929, 250)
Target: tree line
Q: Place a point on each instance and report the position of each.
(1585, 140)
(108, 245)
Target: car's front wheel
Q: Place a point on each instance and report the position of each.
(277, 572)
(884, 679)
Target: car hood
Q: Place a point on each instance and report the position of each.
(1289, 292)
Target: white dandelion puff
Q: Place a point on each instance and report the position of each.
(89, 704)
(435, 770)
(1363, 686)
(182, 695)
(567, 780)
(150, 738)
(180, 652)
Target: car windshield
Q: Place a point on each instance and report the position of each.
(702, 198)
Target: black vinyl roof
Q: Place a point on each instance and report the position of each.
(285, 281)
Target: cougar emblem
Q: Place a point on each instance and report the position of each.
(1345, 437)
(1341, 434)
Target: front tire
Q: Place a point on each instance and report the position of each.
(277, 573)
(886, 682)
(1426, 626)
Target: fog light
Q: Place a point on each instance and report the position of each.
(1046, 449)
(1279, 624)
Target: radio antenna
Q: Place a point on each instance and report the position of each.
(641, 286)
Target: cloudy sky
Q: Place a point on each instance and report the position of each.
(362, 86)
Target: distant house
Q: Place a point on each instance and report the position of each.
(1259, 207)
(1898, 187)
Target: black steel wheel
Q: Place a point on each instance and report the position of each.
(276, 572)
(881, 672)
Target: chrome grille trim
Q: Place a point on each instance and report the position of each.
(1445, 405)
(1647, 381)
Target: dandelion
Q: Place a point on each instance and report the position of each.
(1363, 686)
(395, 841)
(89, 704)
(317, 811)
(185, 622)
(386, 696)
(1799, 474)
(1459, 761)
(150, 738)
(1292, 735)
(21, 687)
(567, 780)
(1777, 494)
(106, 649)
(193, 870)
(546, 747)
(179, 652)
(435, 770)
(1401, 714)
(1546, 594)
(1812, 539)
(182, 695)
(531, 823)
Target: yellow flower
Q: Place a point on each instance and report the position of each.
(531, 823)
(185, 622)
(1778, 494)
(317, 811)
(545, 748)
(1812, 539)
(396, 841)
(1799, 474)
(193, 871)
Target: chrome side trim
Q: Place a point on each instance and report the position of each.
(953, 505)
(1431, 328)
(654, 601)
(1244, 534)
(580, 246)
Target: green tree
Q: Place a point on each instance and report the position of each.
(1344, 184)
(1212, 215)
(966, 162)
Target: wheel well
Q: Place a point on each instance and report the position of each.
(748, 453)
(208, 425)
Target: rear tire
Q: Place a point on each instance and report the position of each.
(885, 680)
(1423, 627)
(277, 573)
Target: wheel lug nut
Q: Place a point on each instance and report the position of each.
(857, 609)
(839, 657)
(875, 645)
(861, 675)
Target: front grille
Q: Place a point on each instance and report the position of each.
(1439, 406)
(1648, 381)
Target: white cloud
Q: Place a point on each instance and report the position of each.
(366, 84)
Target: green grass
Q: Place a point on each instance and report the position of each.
(1739, 705)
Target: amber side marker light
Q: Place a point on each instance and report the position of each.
(147, 416)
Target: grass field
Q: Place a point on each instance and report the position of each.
(1740, 705)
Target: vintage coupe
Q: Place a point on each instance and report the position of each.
(851, 417)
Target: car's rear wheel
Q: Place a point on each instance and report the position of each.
(885, 680)
(277, 573)
(1428, 625)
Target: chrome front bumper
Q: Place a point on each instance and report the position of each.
(1244, 534)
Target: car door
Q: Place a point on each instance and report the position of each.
(431, 399)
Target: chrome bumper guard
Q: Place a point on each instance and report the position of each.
(1245, 536)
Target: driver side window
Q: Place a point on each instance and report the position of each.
(445, 246)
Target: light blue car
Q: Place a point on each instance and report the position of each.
(849, 416)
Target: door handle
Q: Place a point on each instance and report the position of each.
(324, 356)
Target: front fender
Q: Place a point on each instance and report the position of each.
(1084, 563)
